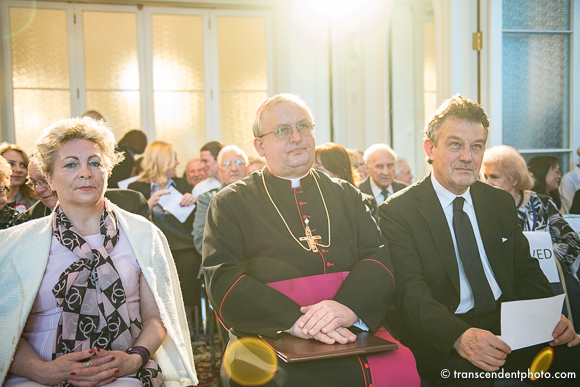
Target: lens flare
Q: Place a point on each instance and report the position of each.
(249, 362)
(541, 362)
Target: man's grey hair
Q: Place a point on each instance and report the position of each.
(458, 107)
(271, 102)
(231, 148)
(378, 147)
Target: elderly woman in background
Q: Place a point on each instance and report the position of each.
(21, 197)
(159, 174)
(546, 173)
(97, 293)
(8, 215)
(504, 167)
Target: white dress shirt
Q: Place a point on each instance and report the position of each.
(570, 184)
(446, 199)
(377, 191)
(205, 185)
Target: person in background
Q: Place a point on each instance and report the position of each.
(133, 143)
(380, 164)
(256, 165)
(358, 163)
(505, 168)
(94, 115)
(569, 185)
(126, 199)
(100, 296)
(208, 155)
(8, 215)
(159, 174)
(335, 161)
(194, 172)
(232, 166)
(403, 171)
(20, 196)
(546, 173)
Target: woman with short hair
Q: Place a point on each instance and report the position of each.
(546, 173)
(95, 297)
(505, 168)
(21, 197)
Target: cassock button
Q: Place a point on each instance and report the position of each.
(366, 365)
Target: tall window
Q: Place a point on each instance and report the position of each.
(536, 77)
(184, 76)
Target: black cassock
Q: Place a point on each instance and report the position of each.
(247, 245)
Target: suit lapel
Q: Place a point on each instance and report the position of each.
(489, 228)
(430, 208)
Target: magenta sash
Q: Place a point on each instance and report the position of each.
(392, 368)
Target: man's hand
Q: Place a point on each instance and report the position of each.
(325, 316)
(482, 348)
(564, 333)
(339, 335)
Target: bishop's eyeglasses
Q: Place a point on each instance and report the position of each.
(285, 131)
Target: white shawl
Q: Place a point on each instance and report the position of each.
(24, 251)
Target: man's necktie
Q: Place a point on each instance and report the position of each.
(469, 254)
(385, 194)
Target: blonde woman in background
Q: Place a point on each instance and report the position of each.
(159, 174)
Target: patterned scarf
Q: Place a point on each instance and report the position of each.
(94, 306)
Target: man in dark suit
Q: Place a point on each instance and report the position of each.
(380, 164)
(458, 252)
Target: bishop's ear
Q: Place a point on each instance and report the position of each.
(258, 144)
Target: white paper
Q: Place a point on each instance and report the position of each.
(530, 322)
(170, 202)
(124, 184)
(541, 249)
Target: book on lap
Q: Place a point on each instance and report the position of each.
(294, 349)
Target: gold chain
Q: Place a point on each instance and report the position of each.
(284, 220)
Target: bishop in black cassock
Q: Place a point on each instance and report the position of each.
(256, 234)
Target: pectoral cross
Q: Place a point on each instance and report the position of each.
(309, 238)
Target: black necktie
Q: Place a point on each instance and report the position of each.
(385, 194)
(469, 254)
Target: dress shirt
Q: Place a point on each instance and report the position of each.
(446, 199)
(204, 186)
(377, 192)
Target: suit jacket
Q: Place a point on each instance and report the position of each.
(127, 199)
(425, 263)
(365, 186)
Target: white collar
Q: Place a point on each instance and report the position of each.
(447, 197)
(294, 181)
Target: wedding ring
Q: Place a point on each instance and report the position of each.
(88, 364)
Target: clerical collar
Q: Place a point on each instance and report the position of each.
(295, 183)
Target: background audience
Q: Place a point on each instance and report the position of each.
(546, 173)
(133, 143)
(504, 167)
(20, 196)
(8, 214)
